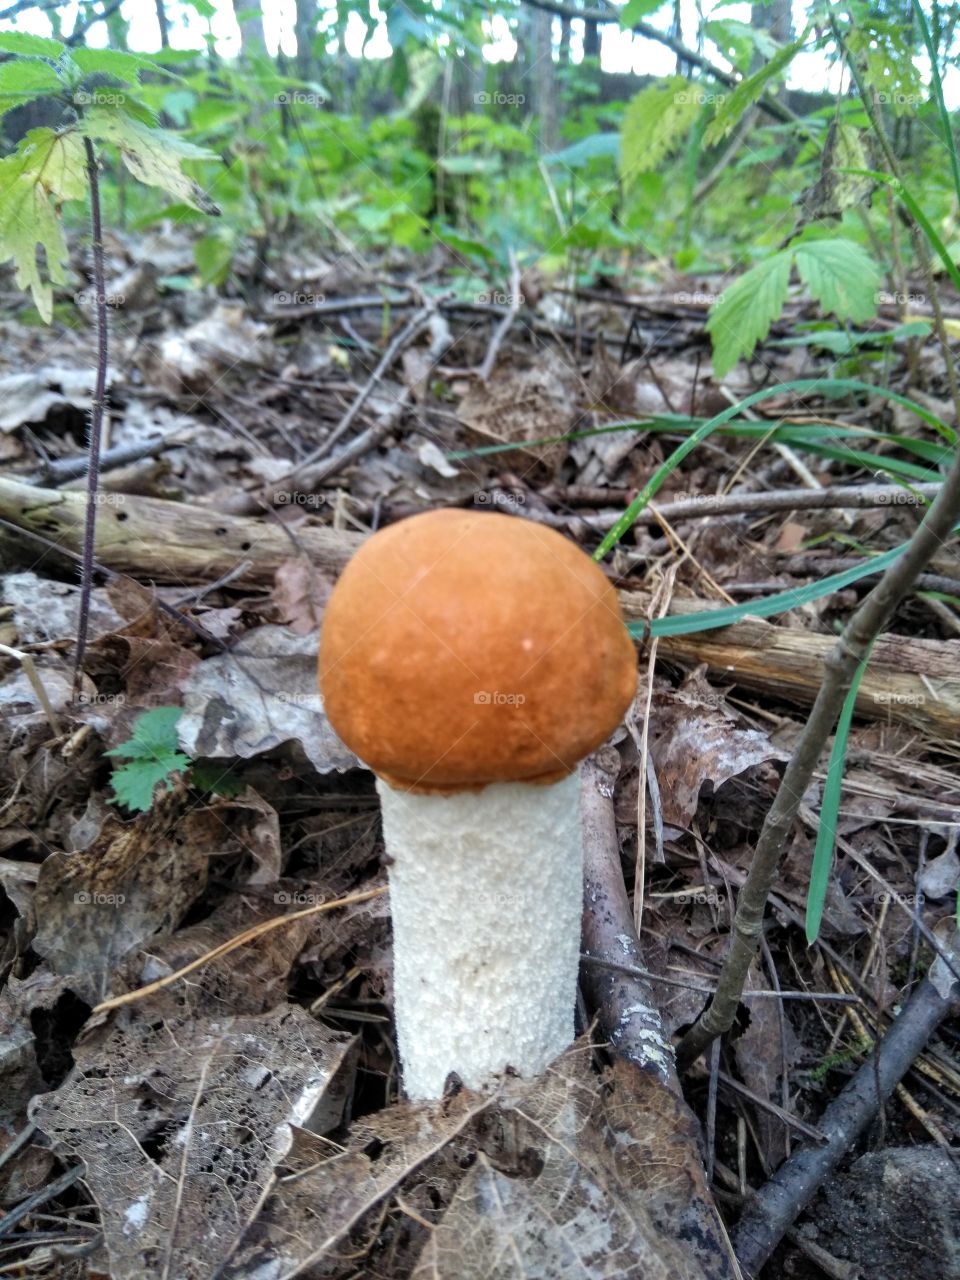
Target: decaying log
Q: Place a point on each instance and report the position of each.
(916, 682)
(178, 542)
(911, 681)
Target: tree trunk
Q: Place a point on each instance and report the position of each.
(163, 24)
(304, 29)
(545, 80)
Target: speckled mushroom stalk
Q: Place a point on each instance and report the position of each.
(472, 660)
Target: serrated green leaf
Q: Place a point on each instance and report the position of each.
(46, 169)
(23, 81)
(134, 783)
(841, 276)
(30, 46)
(153, 156)
(110, 62)
(655, 121)
(748, 91)
(744, 312)
(154, 755)
(154, 734)
(885, 52)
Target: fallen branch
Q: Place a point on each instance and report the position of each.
(910, 681)
(624, 1003)
(774, 1207)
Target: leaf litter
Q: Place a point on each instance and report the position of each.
(244, 1120)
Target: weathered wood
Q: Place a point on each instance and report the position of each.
(176, 542)
(908, 681)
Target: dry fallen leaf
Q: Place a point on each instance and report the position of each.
(261, 694)
(134, 881)
(181, 1120)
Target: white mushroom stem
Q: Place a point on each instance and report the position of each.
(486, 896)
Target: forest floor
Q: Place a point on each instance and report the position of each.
(338, 398)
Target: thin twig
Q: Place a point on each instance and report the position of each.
(415, 325)
(224, 949)
(503, 328)
(96, 416)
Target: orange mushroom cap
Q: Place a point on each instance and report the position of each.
(461, 648)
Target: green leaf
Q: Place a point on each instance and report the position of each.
(110, 62)
(213, 255)
(153, 156)
(636, 10)
(655, 121)
(595, 146)
(744, 312)
(748, 91)
(30, 46)
(23, 81)
(210, 775)
(829, 808)
(153, 754)
(46, 169)
(841, 276)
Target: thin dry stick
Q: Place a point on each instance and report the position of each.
(403, 338)
(665, 595)
(33, 675)
(248, 935)
(96, 415)
(866, 624)
(503, 328)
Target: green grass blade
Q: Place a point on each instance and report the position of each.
(801, 384)
(938, 94)
(684, 624)
(829, 808)
(921, 219)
